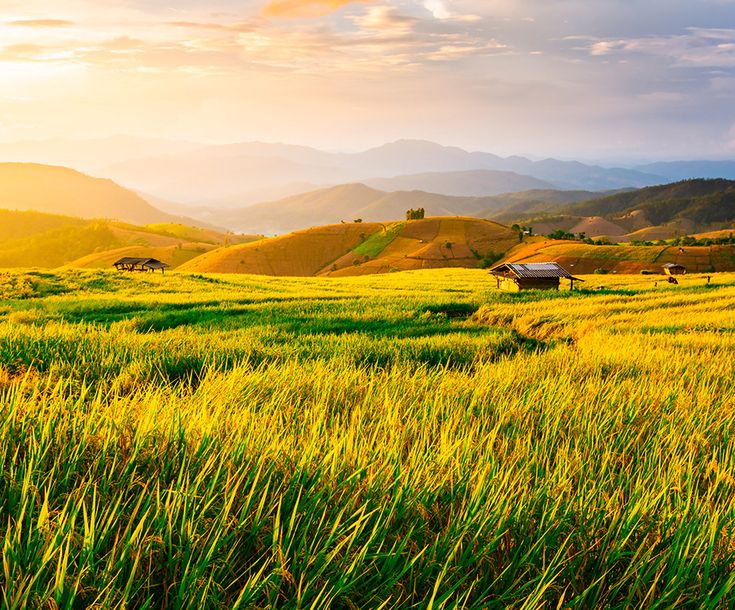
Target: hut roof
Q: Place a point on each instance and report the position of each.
(673, 266)
(532, 270)
(152, 263)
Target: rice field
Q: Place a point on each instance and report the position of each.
(409, 440)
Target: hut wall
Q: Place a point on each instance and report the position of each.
(675, 270)
(509, 284)
(538, 284)
(514, 285)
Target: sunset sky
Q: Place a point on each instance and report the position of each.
(595, 79)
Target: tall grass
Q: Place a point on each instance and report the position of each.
(369, 443)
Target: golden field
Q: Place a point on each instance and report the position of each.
(406, 440)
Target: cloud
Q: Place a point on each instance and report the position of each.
(214, 26)
(437, 8)
(384, 19)
(304, 8)
(41, 23)
(698, 47)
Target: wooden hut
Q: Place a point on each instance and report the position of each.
(674, 269)
(129, 263)
(531, 276)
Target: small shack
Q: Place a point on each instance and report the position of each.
(674, 269)
(531, 276)
(129, 263)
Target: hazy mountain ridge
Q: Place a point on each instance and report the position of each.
(467, 183)
(346, 203)
(60, 190)
(702, 202)
(236, 170)
(686, 170)
(244, 173)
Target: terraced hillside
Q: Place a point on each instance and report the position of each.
(365, 248)
(583, 258)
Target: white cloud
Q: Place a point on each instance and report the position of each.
(438, 8)
(698, 47)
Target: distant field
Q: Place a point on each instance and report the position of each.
(581, 258)
(406, 440)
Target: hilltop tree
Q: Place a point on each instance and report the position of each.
(417, 214)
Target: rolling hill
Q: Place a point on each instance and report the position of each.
(515, 206)
(651, 213)
(680, 207)
(363, 248)
(60, 190)
(346, 202)
(702, 201)
(580, 258)
(34, 239)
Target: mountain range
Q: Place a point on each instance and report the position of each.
(658, 212)
(240, 174)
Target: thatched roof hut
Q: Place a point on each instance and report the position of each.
(528, 276)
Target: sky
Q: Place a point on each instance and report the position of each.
(591, 79)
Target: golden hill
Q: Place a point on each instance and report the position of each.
(364, 248)
(580, 258)
(173, 255)
(33, 239)
(60, 190)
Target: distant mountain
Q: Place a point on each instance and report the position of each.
(647, 214)
(515, 207)
(468, 183)
(365, 248)
(59, 190)
(239, 173)
(701, 201)
(412, 156)
(685, 170)
(345, 203)
(206, 179)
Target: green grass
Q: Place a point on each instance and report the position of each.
(412, 440)
(379, 241)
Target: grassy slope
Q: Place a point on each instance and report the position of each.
(253, 442)
(583, 258)
(364, 248)
(302, 253)
(175, 256)
(33, 239)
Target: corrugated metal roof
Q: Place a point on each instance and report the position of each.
(532, 270)
(671, 265)
(148, 262)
